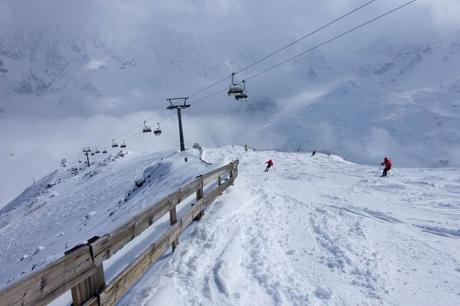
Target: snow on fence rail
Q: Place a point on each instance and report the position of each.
(81, 268)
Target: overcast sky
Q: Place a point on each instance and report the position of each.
(249, 17)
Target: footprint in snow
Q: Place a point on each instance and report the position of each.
(322, 293)
(90, 214)
(38, 250)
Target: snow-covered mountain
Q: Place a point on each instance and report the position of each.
(383, 98)
(313, 230)
(76, 72)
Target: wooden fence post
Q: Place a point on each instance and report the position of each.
(219, 181)
(232, 168)
(91, 286)
(199, 196)
(173, 218)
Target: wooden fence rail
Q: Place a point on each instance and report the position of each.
(81, 268)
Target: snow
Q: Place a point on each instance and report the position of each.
(95, 65)
(314, 230)
(317, 230)
(62, 210)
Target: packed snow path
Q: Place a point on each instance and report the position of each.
(313, 231)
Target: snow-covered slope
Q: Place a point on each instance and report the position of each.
(318, 230)
(78, 72)
(313, 230)
(61, 210)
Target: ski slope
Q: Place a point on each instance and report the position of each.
(317, 231)
(313, 231)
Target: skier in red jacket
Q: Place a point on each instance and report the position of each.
(387, 163)
(269, 164)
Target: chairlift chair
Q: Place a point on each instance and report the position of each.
(104, 151)
(123, 145)
(235, 89)
(97, 151)
(243, 95)
(157, 131)
(92, 153)
(146, 129)
(114, 144)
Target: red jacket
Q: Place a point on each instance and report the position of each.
(386, 163)
(269, 163)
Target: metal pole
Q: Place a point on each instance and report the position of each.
(181, 132)
(87, 159)
(179, 108)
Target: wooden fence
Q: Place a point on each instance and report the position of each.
(81, 269)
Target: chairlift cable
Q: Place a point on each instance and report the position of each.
(284, 47)
(330, 40)
(304, 37)
(290, 58)
(259, 61)
(313, 48)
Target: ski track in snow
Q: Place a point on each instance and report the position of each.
(317, 231)
(312, 231)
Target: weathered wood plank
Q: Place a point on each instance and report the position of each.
(199, 196)
(201, 204)
(216, 192)
(212, 175)
(43, 286)
(131, 274)
(173, 220)
(88, 288)
(94, 301)
(109, 244)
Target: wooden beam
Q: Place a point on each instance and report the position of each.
(94, 301)
(109, 244)
(131, 274)
(199, 196)
(43, 286)
(212, 175)
(89, 288)
(173, 220)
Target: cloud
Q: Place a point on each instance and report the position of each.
(221, 17)
(36, 147)
(443, 12)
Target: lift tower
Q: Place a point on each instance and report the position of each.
(175, 104)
